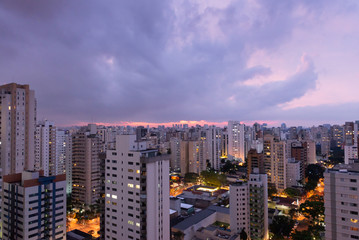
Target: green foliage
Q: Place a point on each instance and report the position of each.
(229, 167)
(191, 177)
(314, 172)
(312, 209)
(310, 185)
(178, 235)
(292, 192)
(281, 227)
(302, 235)
(271, 190)
(243, 235)
(212, 178)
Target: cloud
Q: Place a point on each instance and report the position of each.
(158, 61)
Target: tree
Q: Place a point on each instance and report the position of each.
(292, 192)
(212, 178)
(272, 190)
(228, 167)
(281, 227)
(312, 209)
(310, 185)
(314, 172)
(178, 235)
(191, 177)
(301, 235)
(243, 235)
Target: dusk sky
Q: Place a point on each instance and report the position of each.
(164, 61)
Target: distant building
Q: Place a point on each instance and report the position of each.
(34, 206)
(278, 166)
(236, 140)
(350, 154)
(86, 184)
(294, 172)
(255, 160)
(50, 147)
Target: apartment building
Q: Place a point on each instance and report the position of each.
(137, 191)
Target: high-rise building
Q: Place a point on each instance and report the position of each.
(236, 140)
(268, 155)
(294, 172)
(278, 167)
(341, 202)
(249, 206)
(255, 160)
(68, 161)
(175, 154)
(18, 120)
(48, 146)
(350, 154)
(213, 147)
(34, 206)
(224, 144)
(349, 133)
(137, 191)
(86, 184)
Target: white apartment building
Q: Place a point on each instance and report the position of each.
(46, 148)
(249, 206)
(236, 140)
(137, 192)
(239, 207)
(213, 147)
(293, 172)
(341, 202)
(350, 154)
(34, 206)
(18, 119)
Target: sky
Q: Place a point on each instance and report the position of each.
(117, 62)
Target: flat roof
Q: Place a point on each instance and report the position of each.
(186, 206)
(198, 217)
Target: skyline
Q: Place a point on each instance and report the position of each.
(162, 62)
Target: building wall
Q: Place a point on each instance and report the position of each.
(236, 140)
(341, 205)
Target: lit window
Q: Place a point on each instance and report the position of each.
(130, 185)
(130, 222)
(114, 196)
(107, 195)
(138, 186)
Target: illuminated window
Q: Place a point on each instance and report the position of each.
(138, 225)
(138, 186)
(130, 222)
(130, 185)
(107, 195)
(354, 220)
(114, 196)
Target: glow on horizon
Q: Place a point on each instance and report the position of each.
(170, 124)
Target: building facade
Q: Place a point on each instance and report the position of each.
(34, 206)
(137, 192)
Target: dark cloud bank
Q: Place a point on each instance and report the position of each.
(111, 61)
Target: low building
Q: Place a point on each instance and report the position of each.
(207, 217)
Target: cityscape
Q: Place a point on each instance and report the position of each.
(179, 120)
(178, 182)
